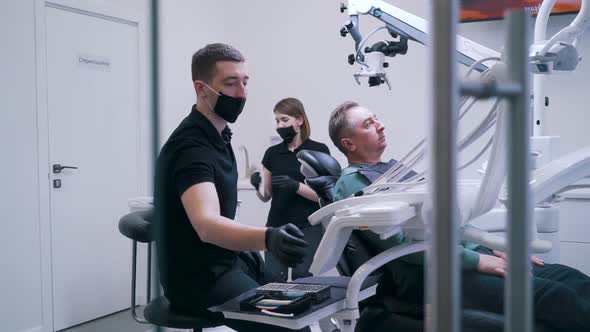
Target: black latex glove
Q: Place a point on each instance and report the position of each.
(286, 243)
(255, 180)
(284, 184)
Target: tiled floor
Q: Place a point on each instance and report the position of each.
(117, 322)
(123, 322)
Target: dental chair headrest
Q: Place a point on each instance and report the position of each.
(321, 172)
(324, 187)
(315, 163)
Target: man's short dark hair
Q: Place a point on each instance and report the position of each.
(338, 125)
(204, 60)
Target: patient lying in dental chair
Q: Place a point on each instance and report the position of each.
(561, 293)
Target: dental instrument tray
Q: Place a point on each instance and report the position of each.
(277, 305)
(318, 293)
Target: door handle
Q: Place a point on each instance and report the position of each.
(57, 168)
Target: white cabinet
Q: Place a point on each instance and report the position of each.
(575, 230)
(576, 255)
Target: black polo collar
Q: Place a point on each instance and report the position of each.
(220, 141)
(284, 147)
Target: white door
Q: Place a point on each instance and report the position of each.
(93, 107)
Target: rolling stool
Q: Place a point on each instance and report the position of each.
(137, 226)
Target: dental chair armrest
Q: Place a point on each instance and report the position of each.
(546, 220)
(380, 217)
(496, 242)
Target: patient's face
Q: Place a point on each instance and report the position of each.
(368, 134)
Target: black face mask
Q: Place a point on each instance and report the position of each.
(227, 107)
(287, 134)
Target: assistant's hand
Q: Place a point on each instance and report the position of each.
(255, 180)
(286, 243)
(284, 183)
(493, 265)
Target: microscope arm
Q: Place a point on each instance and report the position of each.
(410, 27)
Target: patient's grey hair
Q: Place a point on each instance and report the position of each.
(338, 126)
(203, 64)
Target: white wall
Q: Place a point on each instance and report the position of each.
(294, 49)
(186, 26)
(20, 279)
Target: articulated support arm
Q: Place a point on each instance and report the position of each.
(558, 53)
(408, 27)
(558, 175)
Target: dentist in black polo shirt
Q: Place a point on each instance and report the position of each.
(200, 247)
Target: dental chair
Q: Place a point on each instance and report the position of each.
(137, 226)
(382, 312)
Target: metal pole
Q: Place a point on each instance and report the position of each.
(443, 275)
(155, 110)
(148, 282)
(518, 292)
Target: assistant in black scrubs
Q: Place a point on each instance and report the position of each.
(292, 200)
